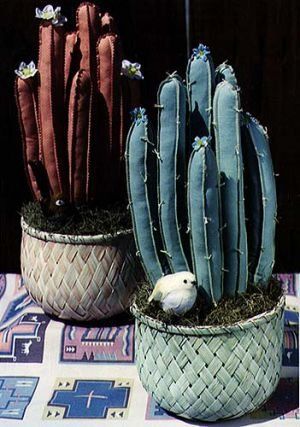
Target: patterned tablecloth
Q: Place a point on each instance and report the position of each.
(58, 374)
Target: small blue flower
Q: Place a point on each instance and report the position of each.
(201, 142)
(132, 70)
(139, 115)
(26, 70)
(51, 14)
(201, 52)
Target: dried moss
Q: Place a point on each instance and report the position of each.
(256, 300)
(82, 221)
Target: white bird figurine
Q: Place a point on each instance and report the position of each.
(177, 292)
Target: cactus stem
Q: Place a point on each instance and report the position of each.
(166, 253)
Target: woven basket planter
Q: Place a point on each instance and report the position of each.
(79, 277)
(210, 373)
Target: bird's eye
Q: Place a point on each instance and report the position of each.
(59, 202)
(185, 281)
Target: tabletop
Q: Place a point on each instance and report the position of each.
(56, 373)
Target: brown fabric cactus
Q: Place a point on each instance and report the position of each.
(72, 111)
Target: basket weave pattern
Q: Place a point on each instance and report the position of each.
(210, 373)
(84, 278)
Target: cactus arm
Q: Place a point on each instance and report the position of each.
(226, 111)
(70, 53)
(204, 222)
(39, 172)
(171, 160)
(109, 85)
(141, 188)
(88, 26)
(28, 120)
(78, 134)
(200, 77)
(263, 207)
(51, 93)
(225, 72)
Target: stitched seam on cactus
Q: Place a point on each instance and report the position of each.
(68, 52)
(258, 276)
(89, 161)
(204, 227)
(240, 183)
(112, 48)
(135, 234)
(37, 120)
(177, 85)
(256, 273)
(41, 150)
(23, 133)
(208, 65)
(52, 113)
(74, 118)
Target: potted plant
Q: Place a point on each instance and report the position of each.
(196, 221)
(78, 253)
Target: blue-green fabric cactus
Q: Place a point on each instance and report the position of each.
(205, 220)
(171, 101)
(200, 78)
(213, 195)
(142, 192)
(261, 206)
(227, 123)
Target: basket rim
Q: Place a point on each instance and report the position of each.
(254, 321)
(71, 238)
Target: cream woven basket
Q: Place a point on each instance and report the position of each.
(210, 373)
(79, 277)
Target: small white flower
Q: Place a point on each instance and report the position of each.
(132, 70)
(50, 14)
(26, 70)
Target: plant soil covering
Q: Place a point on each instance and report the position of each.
(81, 221)
(254, 301)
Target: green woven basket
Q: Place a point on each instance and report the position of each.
(210, 373)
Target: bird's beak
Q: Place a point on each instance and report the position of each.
(194, 282)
